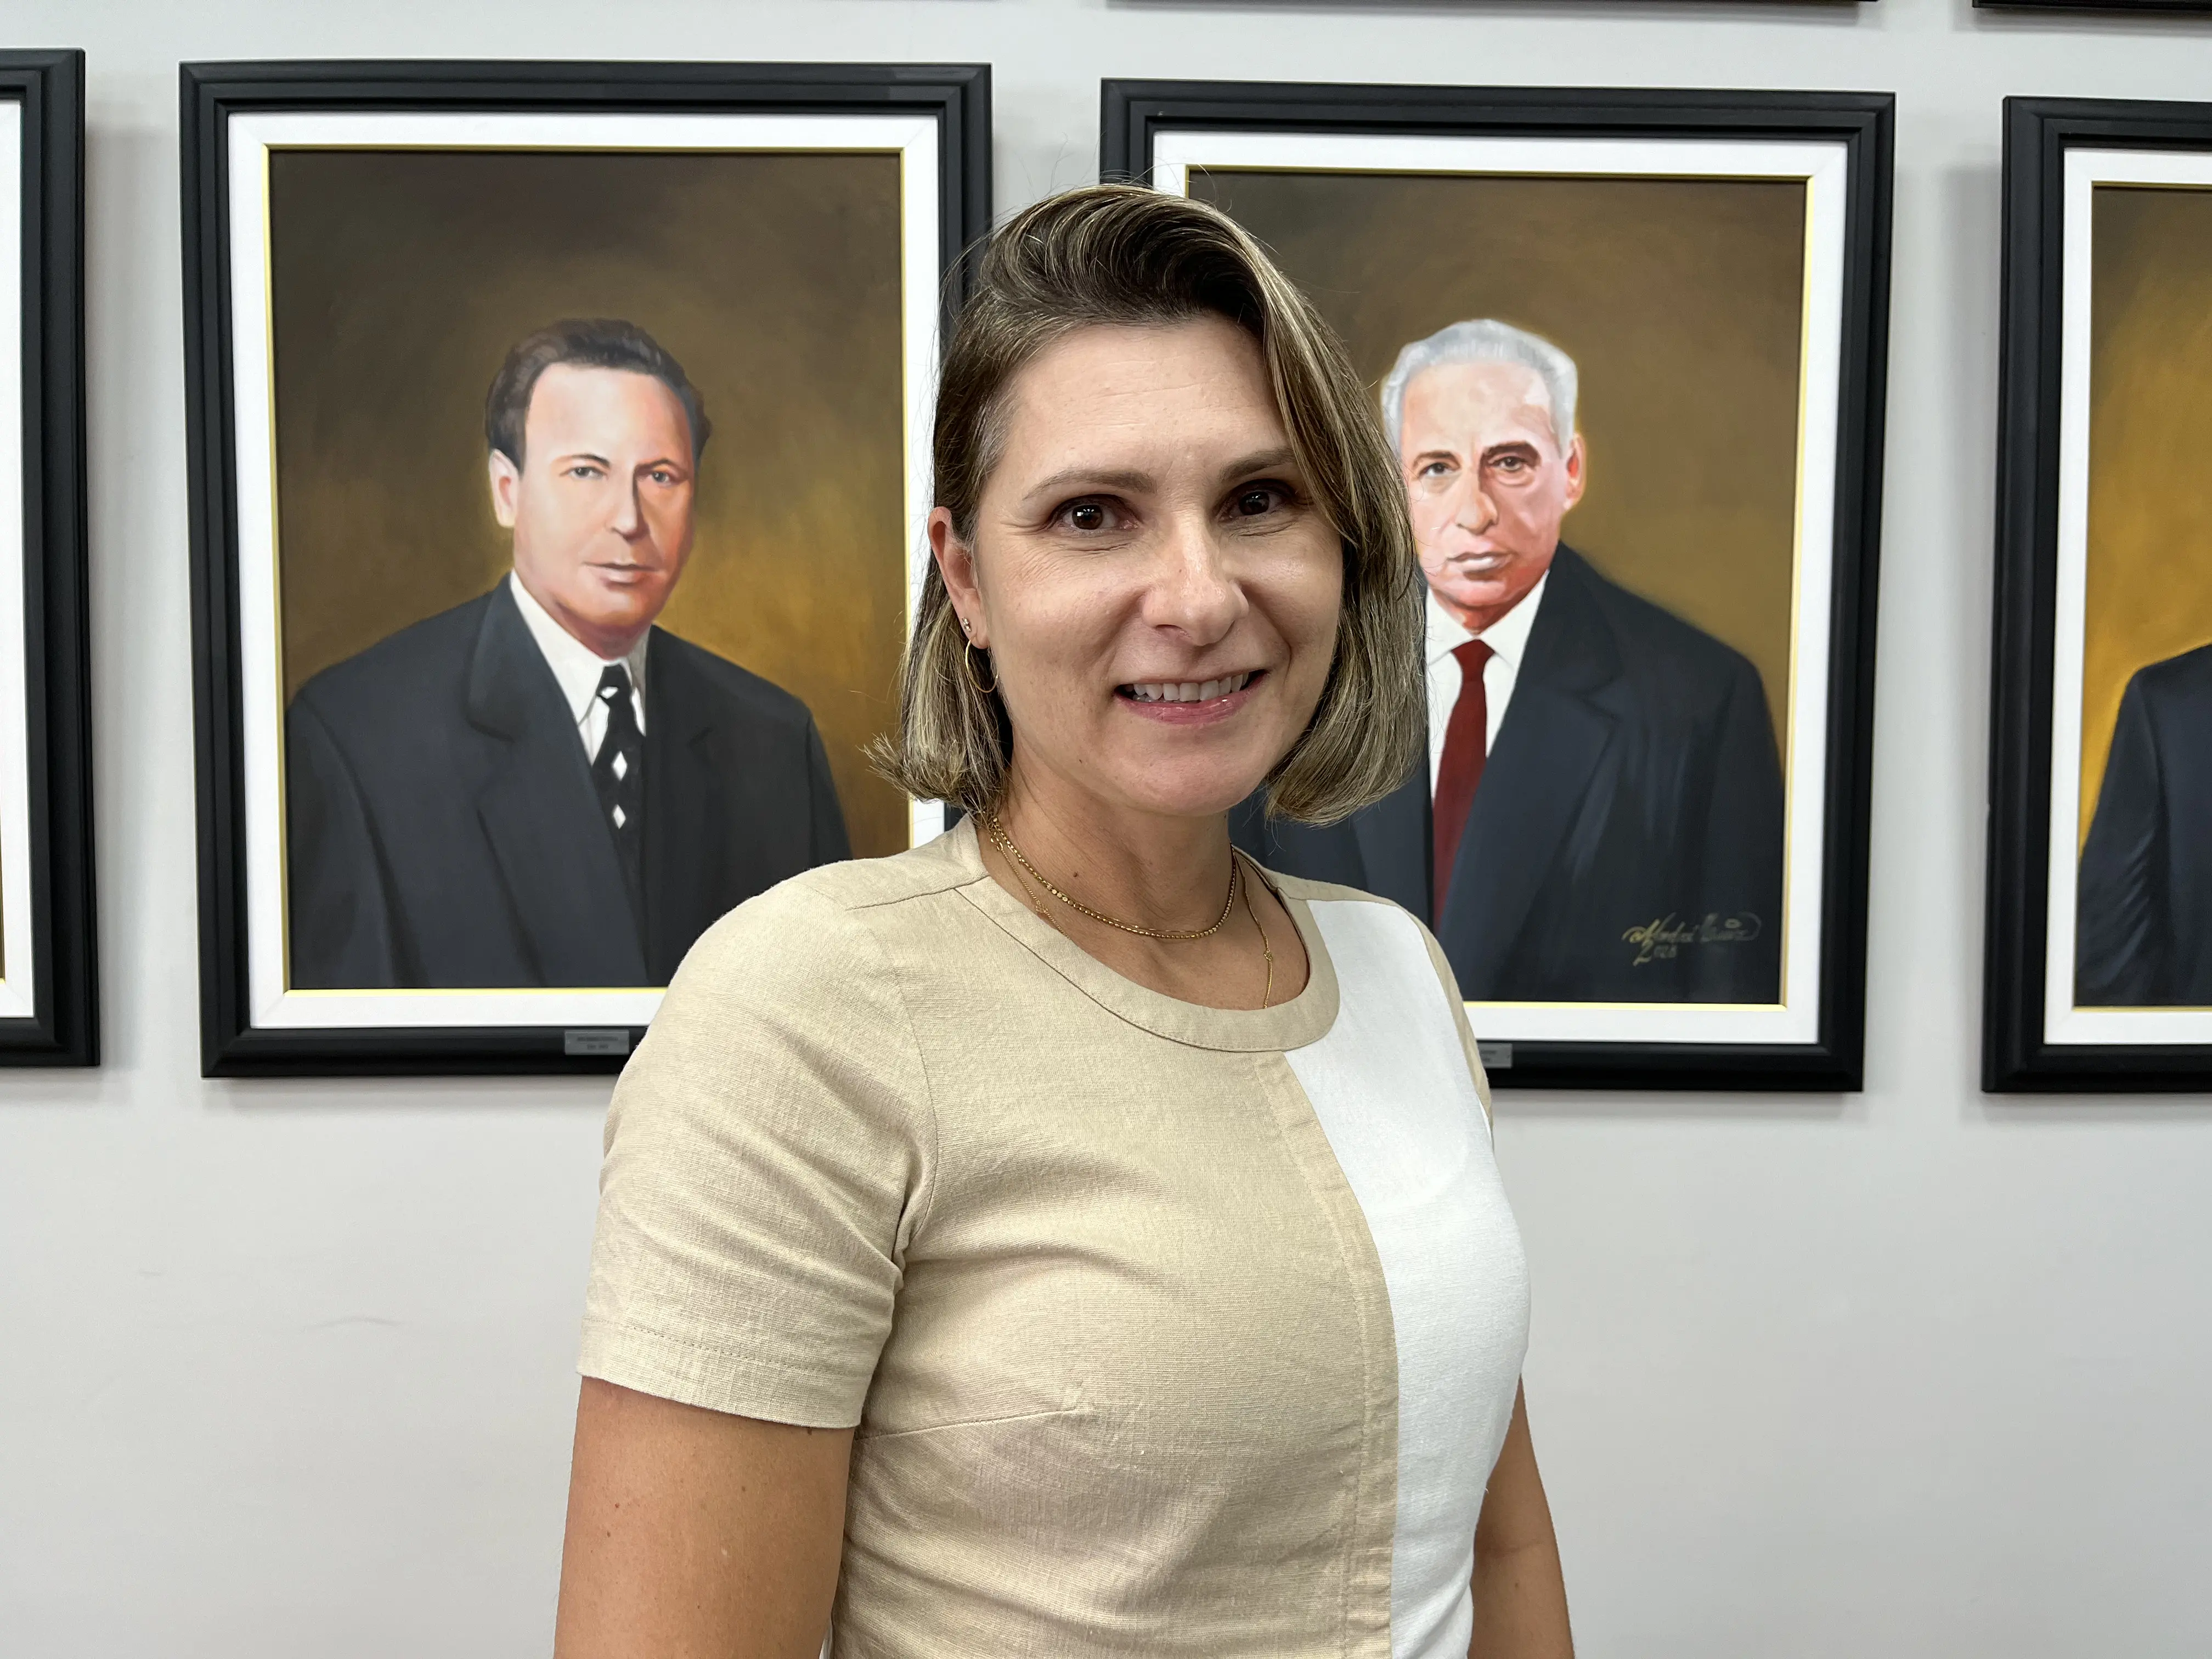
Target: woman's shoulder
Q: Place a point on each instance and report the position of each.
(804, 987)
(833, 910)
(1379, 945)
(823, 959)
(1384, 928)
(1324, 892)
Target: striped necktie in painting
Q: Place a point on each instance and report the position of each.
(618, 774)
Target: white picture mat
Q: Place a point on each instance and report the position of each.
(914, 139)
(1825, 170)
(17, 989)
(2063, 1022)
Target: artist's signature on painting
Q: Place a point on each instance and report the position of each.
(1665, 937)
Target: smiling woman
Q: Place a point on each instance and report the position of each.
(1123, 595)
(1067, 1236)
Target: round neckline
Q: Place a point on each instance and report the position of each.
(1304, 1018)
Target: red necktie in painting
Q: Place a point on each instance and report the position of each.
(1467, 746)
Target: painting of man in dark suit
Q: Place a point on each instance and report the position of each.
(1601, 817)
(2144, 929)
(540, 788)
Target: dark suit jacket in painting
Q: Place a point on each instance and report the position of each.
(2143, 910)
(443, 829)
(1625, 843)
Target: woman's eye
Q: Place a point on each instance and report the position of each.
(1087, 515)
(1254, 503)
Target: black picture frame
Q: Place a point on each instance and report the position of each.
(2016, 1055)
(2181, 6)
(955, 96)
(62, 1027)
(1134, 113)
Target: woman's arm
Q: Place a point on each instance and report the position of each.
(1520, 1597)
(695, 1535)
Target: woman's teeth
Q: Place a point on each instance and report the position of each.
(1187, 690)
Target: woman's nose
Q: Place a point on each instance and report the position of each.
(1194, 591)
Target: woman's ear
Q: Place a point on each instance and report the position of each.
(956, 563)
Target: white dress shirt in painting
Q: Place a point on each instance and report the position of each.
(1508, 640)
(578, 668)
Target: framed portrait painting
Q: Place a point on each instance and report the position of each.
(49, 1002)
(558, 448)
(1628, 347)
(2099, 967)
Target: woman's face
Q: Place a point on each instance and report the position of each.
(1158, 593)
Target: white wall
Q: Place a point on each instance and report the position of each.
(284, 1368)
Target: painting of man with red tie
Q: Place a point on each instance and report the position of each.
(1600, 816)
(1628, 353)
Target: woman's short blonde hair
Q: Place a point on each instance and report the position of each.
(1122, 254)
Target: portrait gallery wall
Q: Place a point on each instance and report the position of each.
(468, 790)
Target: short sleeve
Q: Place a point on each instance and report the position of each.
(768, 1154)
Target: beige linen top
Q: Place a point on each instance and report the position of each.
(1082, 1262)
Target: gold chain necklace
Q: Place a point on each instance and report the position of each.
(1004, 843)
(1266, 951)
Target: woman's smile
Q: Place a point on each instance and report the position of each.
(1191, 703)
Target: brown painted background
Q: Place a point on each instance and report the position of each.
(399, 280)
(1682, 302)
(2149, 589)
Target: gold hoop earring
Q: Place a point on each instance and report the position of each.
(968, 655)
